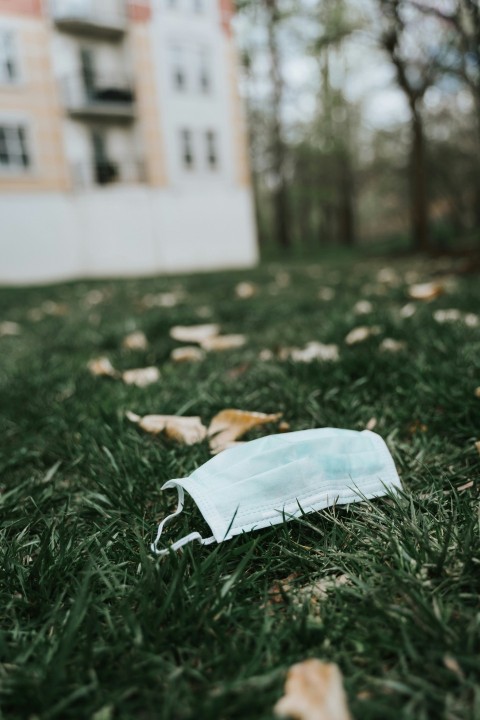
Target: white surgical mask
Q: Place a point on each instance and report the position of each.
(280, 477)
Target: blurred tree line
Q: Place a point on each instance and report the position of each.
(328, 175)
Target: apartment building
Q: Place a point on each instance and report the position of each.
(122, 140)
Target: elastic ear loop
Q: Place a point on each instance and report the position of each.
(183, 541)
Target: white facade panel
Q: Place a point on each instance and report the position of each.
(123, 232)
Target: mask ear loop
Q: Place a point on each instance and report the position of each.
(183, 541)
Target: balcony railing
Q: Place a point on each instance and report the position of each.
(103, 98)
(100, 18)
(108, 172)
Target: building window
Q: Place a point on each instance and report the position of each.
(187, 149)
(212, 151)
(14, 153)
(179, 74)
(8, 61)
(204, 77)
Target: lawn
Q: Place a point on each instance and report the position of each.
(94, 626)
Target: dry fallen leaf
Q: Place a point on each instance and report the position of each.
(94, 297)
(245, 290)
(466, 486)
(141, 377)
(35, 314)
(363, 307)
(361, 333)
(229, 425)
(102, 367)
(477, 392)
(477, 445)
(443, 316)
(408, 310)
(277, 592)
(194, 333)
(318, 591)
(9, 328)
(49, 307)
(266, 354)
(388, 276)
(371, 424)
(391, 345)
(135, 341)
(326, 294)
(471, 320)
(188, 430)
(314, 691)
(164, 300)
(453, 665)
(282, 279)
(188, 353)
(312, 351)
(223, 342)
(425, 291)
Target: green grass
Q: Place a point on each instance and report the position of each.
(93, 626)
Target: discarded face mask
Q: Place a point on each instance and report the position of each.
(279, 477)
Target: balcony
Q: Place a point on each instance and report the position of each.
(108, 99)
(94, 18)
(108, 172)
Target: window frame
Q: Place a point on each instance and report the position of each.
(212, 144)
(187, 149)
(25, 145)
(8, 32)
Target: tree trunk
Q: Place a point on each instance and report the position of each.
(280, 190)
(418, 186)
(346, 214)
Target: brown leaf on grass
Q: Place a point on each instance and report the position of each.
(187, 430)
(471, 320)
(9, 328)
(265, 355)
(326, 294)
(93, 297)
(314, 691)
(194, 333)
(188, 353)
(141, 377)
(388, 276)
(417, 426)
(363, 307)
(450, 315)
(229, 425)
(163, 300)
(425, 291)
(135, 341)
(453, 665)
(277, 592)
(477, 445)
(312, 351)
(102, 367)
(371, 424)
(408, 310)
(392, 346)
(477, 392)
(245, 290)
(361, 333)
(318, 591)
(466, 486)
(218, 343)
(49, 307)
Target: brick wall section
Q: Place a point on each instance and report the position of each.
(32, 8)
(139, 11)
(226, 14)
